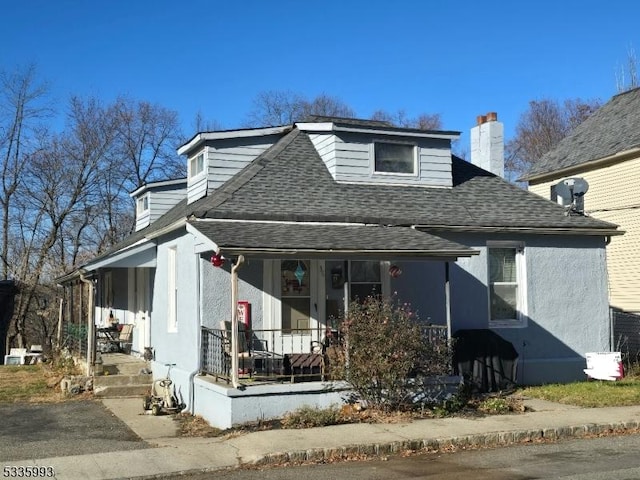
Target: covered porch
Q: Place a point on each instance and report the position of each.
(291, 286)
(107, 304)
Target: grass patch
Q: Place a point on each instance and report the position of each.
(308, 417)
(33, 383)
(593, 393)
(22, 383)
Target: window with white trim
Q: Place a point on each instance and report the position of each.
(196, 165)
(394, 158)
(142, 204)
(507, 284)
(172, 289)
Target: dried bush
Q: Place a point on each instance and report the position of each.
(388, 358)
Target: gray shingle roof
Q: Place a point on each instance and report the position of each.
(289, 182)
(613, 128)
(327, 238)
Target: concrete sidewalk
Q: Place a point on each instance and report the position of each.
(173, 455)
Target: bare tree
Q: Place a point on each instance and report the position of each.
(545, 123)
(424, 121)
(21, 108)
(145, 140)
(327, 106)
(200, 124)
(61, 180)
(627, 75)
(282, 107)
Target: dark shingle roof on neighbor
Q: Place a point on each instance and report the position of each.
(613, 128)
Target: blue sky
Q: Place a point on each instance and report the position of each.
(460, 59)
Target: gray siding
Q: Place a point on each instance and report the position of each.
(162, 201)
(349, 158)
(567, 299)
(143, 219)
(225, 158)
(197, 188)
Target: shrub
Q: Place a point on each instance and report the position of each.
(386, 354)
(307, 417)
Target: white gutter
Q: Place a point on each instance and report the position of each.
(392, 253)
(222, 135)
(331, 127)
(544, 231)
(235, 351)
(164, 183)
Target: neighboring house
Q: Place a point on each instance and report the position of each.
(309, 216)
(605, 151)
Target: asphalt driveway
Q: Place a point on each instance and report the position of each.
(55, 430)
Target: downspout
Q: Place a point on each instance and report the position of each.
(235, 379)
(447, 299)
(91, 354)
(192, 376)
(60, 317)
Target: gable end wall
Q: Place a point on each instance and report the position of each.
(613, 197)
(349, 158)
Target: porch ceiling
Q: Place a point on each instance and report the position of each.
(325, 239)
(141, 254)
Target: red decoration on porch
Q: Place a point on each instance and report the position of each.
(217, 260)
(394, 271)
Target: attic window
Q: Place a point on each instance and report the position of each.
(142, 204)
(396, 158)
(196, 165)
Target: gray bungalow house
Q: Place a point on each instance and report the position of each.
(290, 223)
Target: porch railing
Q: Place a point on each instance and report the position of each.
(282, 356)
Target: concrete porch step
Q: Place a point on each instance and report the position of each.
(121, 380)
(121, 391)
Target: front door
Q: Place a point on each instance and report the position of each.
(140, 309)
(295, 315)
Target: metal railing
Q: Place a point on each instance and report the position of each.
(74, 338)
(625, 328)
(281, 356)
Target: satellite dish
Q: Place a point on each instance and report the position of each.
(572, 187)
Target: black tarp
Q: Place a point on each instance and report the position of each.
(8, 291)
(487, 361)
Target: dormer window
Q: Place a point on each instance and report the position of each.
(196, 165)
(142, 204)
(394, 158)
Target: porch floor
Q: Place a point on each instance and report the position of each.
(122, 364)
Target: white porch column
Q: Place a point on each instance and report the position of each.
(235, 350)
(447, 298)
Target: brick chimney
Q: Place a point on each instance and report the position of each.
(487, 144)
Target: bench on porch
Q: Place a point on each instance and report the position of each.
(304, 365)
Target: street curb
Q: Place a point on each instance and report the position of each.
(433, 445)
